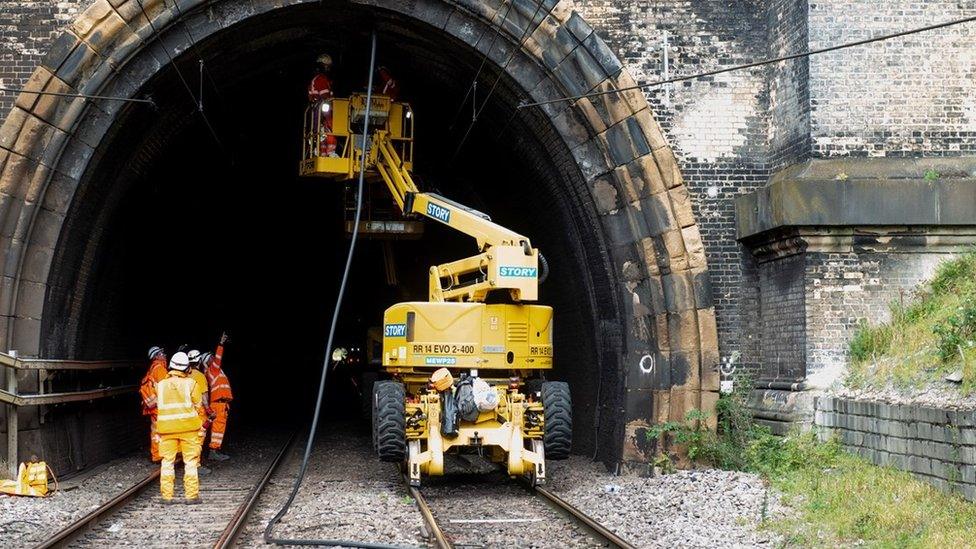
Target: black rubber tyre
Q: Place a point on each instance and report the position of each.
(558, 406)
(389, 398)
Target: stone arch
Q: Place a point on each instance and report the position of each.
(656, 329)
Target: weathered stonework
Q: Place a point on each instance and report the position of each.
(936, 445)
(828, 255)
(667, 319)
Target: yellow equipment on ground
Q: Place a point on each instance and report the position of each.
(31, 480)
(498, 402)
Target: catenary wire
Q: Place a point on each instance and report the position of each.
(529, 29)
(179, 73)
(807, 53)
(83, 96)
(484, 62)
(269, 529)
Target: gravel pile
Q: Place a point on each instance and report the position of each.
(347, 494)
(26, 521)
(707, 508)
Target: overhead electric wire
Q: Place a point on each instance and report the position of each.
(82, 95)
(807, 53)
(529, 29)
(484, 61)
(269, 529)
(179, 73)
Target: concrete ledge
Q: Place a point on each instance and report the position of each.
(862, 192)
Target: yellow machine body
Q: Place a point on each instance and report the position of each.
(419, 337)
(502, 344)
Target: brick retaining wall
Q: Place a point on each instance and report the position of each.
(934, 444)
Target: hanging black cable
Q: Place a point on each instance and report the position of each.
(269, 529)
(807, 53)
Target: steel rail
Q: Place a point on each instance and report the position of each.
(233, 529)
(567, 508)
(67, 534)
(440, 540)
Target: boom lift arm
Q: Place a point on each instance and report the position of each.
(507, 259)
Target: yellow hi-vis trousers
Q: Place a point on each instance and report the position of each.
(189, 444)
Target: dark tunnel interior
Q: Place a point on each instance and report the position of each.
(176, 234)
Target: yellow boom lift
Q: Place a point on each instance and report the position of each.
(464, 373)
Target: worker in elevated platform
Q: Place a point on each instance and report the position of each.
(147, 389)
(388, 85)
(220, 397)
(180, 417)
(320, 93)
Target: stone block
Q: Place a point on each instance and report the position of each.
(683, 331)
(709, 400)
(962, 418)
(646, 176)
(26, 336)
(681, 204)
(967, 436)
(632, 94)
(674, 244)
(658, 214)
(666, 162)
(678, 291)
(697, 260)
(605, 195)
(79, 65)
(651, 129)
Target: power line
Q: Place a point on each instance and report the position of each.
(807, 53)
(529, 29)
(179, 73)
(484, 61)
(84, 96)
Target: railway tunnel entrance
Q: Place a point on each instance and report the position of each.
(159, 225)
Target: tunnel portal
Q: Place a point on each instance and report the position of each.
(128, 225)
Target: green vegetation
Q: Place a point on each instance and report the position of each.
(931, 335)
(931, 175)
(837, 499)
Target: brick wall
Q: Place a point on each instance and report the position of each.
(782, 317)
(934, 444)
(913, 95)
(843, 288)
(26, 31)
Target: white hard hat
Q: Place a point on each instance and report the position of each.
(153, 351)
(205, 359)
(324, 59)
(179, 362)
(193, 356)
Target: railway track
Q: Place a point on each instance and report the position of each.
(492, 512)
(137, 517)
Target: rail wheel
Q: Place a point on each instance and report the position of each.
(558, 407)
(389, 399)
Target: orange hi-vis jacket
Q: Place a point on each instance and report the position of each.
(147, 388)
(179, 404)
(217, 379)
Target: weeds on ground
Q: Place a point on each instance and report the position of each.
(838, 499)
(929, 336)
